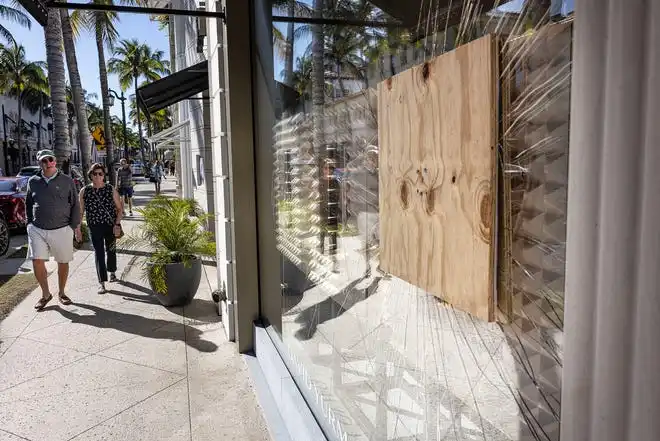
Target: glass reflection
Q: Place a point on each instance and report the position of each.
(378, 358)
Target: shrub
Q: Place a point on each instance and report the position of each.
(173, 230)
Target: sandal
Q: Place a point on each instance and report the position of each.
(64, 299)
(41, 304)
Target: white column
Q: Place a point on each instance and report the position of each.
(611, 376)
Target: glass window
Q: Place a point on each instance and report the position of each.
(376, 357)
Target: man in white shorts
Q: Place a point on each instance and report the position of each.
(53, 213)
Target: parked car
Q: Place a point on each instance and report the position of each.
(12, 201)
(12, 208)
(28, 171)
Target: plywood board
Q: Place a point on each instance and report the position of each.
(438, 129)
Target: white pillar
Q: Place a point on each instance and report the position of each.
(611, 380)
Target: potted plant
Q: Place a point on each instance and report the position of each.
(173, 231)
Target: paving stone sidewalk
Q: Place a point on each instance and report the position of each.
(120, 366)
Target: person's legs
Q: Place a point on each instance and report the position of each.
(111, 250)
(98, 242)
(129, 192)
(62, 276)
(41, 275)
(61, 245)
(39, 253)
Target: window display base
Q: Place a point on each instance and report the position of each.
(297, 421)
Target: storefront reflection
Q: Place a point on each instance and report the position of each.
(384, 359)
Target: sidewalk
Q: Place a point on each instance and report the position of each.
(120, 366)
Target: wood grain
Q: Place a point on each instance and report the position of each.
(438, 130)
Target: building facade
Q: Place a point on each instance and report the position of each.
(349, 352)
(30, 134)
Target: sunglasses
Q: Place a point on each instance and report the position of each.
(98, 174)
(47, 160)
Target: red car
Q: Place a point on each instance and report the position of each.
(12, 200)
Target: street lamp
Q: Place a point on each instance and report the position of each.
(111, 97)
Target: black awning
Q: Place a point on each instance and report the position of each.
(173, 88)
(409, 12)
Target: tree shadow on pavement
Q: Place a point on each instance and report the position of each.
(135, 325)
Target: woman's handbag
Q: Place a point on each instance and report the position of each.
(120, 234)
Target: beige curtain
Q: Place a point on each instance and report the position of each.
(611, 376)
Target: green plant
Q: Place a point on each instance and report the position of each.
(173, 230)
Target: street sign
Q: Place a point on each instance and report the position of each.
(37, 9)
(99, 138)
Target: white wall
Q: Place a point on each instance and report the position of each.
(193, 150)
(221, 166)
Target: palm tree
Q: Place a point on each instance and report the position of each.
(103, 25)
(302, 78)
(17, 77)
(57, 84)
(94, 116)
(133, 60)
(159, 120)
(118, 131)
(285, 45)
(77, 92)
(14, 15)
(71, 114)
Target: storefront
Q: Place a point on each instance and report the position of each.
(352, 351)
(377, 357)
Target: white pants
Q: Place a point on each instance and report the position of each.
(42, 244)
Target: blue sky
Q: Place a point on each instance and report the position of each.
(514, 6)
(130, 26)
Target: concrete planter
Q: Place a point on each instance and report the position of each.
(182, 283)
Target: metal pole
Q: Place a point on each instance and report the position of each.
(135, 9)
(4, 145)
(137, 110)
(123, 117)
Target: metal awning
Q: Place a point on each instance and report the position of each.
(172, 136)
(173, 88)
(414, 13)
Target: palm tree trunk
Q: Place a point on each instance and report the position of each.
(71, 132)
(139, 121)
(77, 92)
(288, 55)
(19, 131)
(107, 128)
(41, 120)
(57, 83)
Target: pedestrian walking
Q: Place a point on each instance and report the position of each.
(125, 186)
(172, 167)
(101, 204)
(53, 213)
(157, 175)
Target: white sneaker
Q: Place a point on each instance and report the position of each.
(102, 289)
